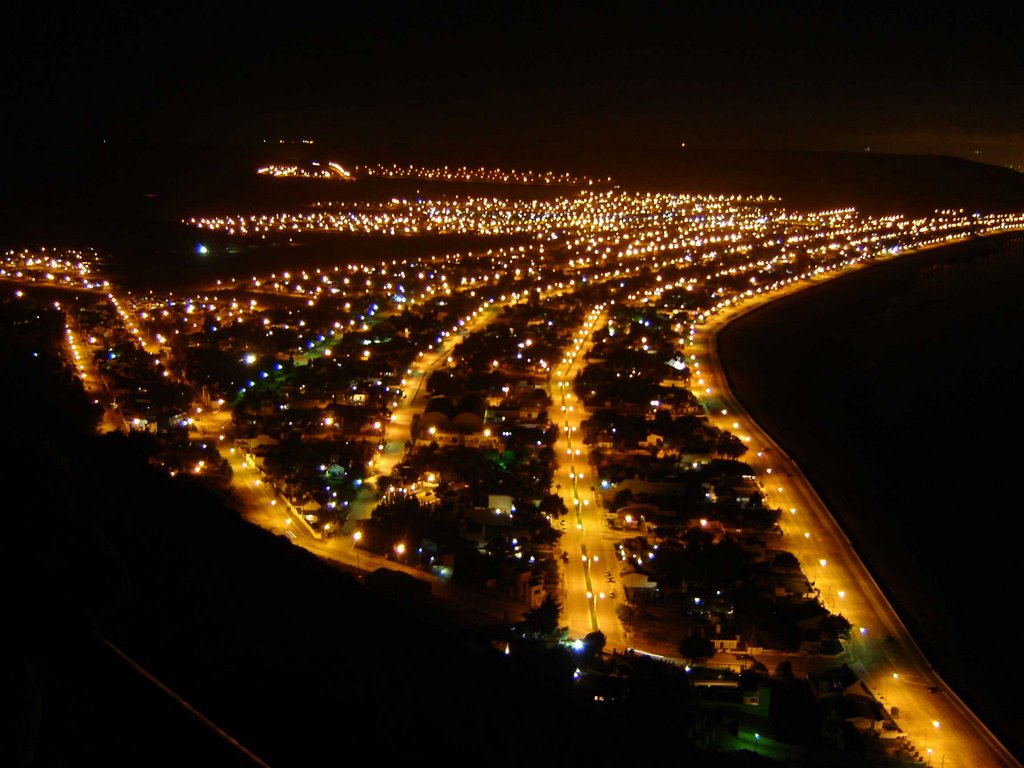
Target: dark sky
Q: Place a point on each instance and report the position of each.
(825, 75)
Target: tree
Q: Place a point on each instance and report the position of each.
(729, 445)
(595, 641)
(663, 421)
(621, 499)
(696, 648)
(627, 613)
(785, 669)
(836, 626)
(553, 504)
(786, 561)
(545, 536)
(542, 621)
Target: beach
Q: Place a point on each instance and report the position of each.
(892, 389)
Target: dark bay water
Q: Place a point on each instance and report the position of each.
(895, 389)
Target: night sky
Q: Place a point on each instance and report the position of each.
(436, 77)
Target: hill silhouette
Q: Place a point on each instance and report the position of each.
(874, 183)
(135, 195)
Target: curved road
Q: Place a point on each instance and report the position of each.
(938, 724)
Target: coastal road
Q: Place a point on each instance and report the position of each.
(937, 723)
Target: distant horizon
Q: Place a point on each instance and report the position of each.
(130, 186)
(745, 74)
(499, 150)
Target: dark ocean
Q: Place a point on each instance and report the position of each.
(894, 388)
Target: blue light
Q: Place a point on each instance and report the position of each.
(202, 250)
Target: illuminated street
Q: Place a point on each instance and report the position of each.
(881, 650)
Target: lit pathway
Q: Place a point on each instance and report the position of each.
(588, 599)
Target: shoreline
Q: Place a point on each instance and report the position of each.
(872, 660)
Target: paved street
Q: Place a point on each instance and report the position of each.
(882, 651)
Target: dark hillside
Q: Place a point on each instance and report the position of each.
(873, 183)
(283, 651)
(134, 196)
(286, 653)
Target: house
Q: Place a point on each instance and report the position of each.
(861, 711)
(447, 423)
(834, 681)
(653, 440)
(528, 588)
(258, 445)
(637, 580)
(500, 504)
(731, 643)
(479, 523)
(633, 516)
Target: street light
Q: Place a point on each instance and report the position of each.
(935, 725)
(895, 679)
(356, 538)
